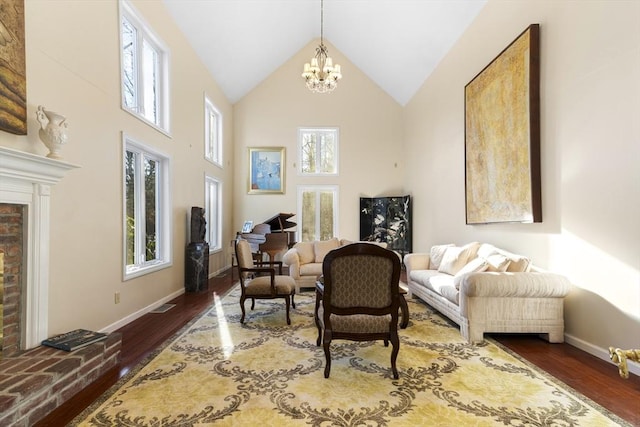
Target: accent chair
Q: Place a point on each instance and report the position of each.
(358, 297)
(258, 281)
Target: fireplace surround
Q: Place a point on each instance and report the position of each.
(26, 179)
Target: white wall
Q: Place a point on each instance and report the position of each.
(370, 125)
(73, 67)
(590, 141)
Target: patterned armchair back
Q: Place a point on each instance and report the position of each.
(361, 276)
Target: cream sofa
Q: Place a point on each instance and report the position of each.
(486, 289)
(304, 260)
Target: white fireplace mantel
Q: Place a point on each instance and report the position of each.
(26, 179)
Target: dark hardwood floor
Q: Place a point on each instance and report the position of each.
(593, 377)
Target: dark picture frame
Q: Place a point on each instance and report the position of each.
(13, 70)
(502, 136)
(266, 170)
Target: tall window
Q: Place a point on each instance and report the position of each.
(146, 210)
(213, 133)
(317, 212)
(318, 151)
(213, 212)
(145, 69)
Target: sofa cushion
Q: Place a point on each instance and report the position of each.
(436, 254)
(305, 252)
(440, 283)
(422, 276)
(322, 248)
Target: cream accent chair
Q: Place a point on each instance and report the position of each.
(255, 286)
(358, 298)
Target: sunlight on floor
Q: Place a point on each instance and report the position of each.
(225, 337)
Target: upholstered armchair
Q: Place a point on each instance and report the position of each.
(257, 286)
(358, 298)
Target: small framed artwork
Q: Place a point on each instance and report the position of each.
(247, 226)
(266, 170)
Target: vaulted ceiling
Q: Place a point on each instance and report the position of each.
(396, 43)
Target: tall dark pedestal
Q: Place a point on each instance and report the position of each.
(196, 272)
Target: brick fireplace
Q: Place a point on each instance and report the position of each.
(11, 245)
(34, 380)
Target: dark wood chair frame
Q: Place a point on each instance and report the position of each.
(324, 288)
(259, 269)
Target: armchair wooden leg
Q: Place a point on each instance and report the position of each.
(395, 342)
(404, 308)
(293, 303)
(288, 304)
(327, 354)
(242, 299)
(317, 319)
(253, 303)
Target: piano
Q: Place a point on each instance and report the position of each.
(272, 236)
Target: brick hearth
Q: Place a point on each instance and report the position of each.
(34, 383)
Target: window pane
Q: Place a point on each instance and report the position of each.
(308, 216)
(308, 151)
(326, 215)
(327, 152)
(129, 37)
(150, 78)
(130, 166)
(150, 168)
(213, 212)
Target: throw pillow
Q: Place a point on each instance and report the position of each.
(453, 260)
(322, 247)
(305, 252)
(436, 254)
(518, 264)
(470, 250)
(476, 265)
(497, 262)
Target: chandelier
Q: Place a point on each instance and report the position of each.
(321, 75)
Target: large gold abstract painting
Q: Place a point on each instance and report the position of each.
(502, 136)
(13, 81)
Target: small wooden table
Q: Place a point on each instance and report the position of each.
(404, 308)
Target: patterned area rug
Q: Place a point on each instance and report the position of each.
(267, 373)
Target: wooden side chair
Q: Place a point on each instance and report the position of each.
(358, 298)
(260, 282)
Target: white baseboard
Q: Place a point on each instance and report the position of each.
(133, 316)
(600, 353)
(215, 273)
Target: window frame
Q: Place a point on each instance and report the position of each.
(212, 150)
(145, 33)
(318, 189)
(319, 130)
(163, 211)
(213, 216)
